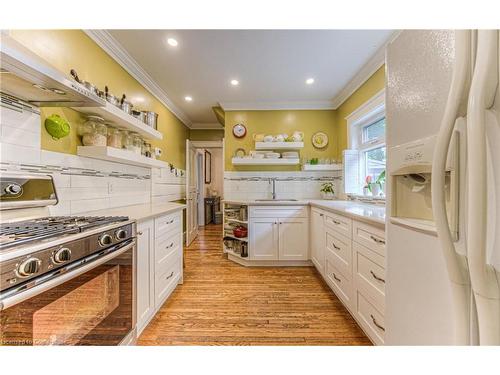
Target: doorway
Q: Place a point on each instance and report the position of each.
(204, 184)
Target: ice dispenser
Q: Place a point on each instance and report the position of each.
(410, 173)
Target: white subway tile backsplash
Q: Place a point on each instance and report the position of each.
(19, 154)
(84, 205)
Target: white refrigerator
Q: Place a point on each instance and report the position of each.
(443, 202)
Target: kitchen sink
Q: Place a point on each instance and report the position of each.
(276, 200)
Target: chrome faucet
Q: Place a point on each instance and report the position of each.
(273, 180)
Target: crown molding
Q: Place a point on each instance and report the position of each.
(367, 70)
(113, 48)
(273, 106)
(206, 126)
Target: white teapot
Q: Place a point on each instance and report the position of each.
(298, 136)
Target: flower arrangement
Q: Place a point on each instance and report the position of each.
(374, 188)
(327, 190)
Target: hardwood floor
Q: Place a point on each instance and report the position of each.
(223, 303)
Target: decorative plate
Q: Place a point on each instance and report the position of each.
(239, 130)
(319, 140)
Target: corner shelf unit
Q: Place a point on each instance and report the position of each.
(116, 116)
(119, 156)
(255, 161)
(279, 145)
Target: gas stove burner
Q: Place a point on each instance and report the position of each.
(12, 234)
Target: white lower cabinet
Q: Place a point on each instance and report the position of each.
(353, 265)
(318, 238)
(145, 274)
(159, 264)
(264, 239)
(279, 233)
(293, 239)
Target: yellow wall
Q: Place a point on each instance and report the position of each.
(277, 122)
(366, 91)
(67, 49)
(206, 134)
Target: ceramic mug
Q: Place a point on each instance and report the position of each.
(258, 137)
(268, 138)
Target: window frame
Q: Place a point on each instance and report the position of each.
(365, 115)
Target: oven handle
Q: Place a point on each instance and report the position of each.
(29, 293)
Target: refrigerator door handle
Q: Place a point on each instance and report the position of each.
(483, 277)
(456, 264)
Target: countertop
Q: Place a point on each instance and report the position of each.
(139, 212)
(369, 213)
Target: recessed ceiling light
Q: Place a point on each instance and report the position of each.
(235, 82)
(310, 81)
(188, 99)
(172, 42)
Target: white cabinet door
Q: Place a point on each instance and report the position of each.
(263, 239)
(318, 237)
(145, 274)
(293, 239)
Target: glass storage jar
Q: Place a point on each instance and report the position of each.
(115, 136)
(146, 149)
(128, 140)
(93, 132)
(137, 143)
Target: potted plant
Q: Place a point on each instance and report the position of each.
(327, 191)
(381, 181)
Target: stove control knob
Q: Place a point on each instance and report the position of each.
(29, 267)
(62, 255)
(105, 240)
(121, 234)
(13, 189)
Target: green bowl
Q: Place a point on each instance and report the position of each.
(57, 127)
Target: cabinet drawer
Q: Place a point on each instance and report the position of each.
(340, 284)
(167, 224)
(165, 248)
(279, 211)
(369, 236)
(165, 282)
(370, 275)
(338, 248)
(338, 223)
(370, 319)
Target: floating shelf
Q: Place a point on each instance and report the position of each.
(244, 239)
(236, 221)
(279, 145)
(121, 119)
(119, 156)
(322, 167)
(252, 161)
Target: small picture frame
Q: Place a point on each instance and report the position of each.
(208, 167)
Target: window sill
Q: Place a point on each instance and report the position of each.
(367, 199)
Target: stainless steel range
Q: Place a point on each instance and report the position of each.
(63, 280)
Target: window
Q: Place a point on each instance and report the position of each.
(367, 153)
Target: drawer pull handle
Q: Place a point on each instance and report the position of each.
(377, 240)
(169, 222)
(336, 278)
(140, 233)
(169, 246)
(336, 222)
(376, 323)
(376, 277)
(169, 276)
(321, 215)
(335, 246)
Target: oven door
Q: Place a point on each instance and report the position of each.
(92, 303)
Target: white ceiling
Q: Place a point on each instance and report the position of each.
(271, 66)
